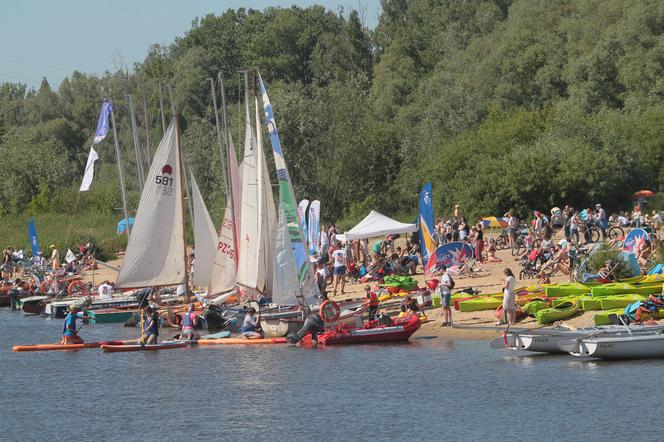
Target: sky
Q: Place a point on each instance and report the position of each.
(47, 38)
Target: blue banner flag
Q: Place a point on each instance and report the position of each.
(102, 123)
(32, 232)
(426, 223)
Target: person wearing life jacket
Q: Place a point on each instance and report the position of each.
(372, 301)
(69, 332)
(250, 326)
(314, 324)
(189, 322)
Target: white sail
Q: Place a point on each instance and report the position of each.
(285, 280)
(268, 209)
(155, 254)
(224, 268)
(251, 266)
(205, 238)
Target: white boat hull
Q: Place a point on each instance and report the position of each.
(621, 347)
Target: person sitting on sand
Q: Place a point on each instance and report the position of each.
(409, 306)
(491, 251)
(251, 327)
(645, 249)
(189, 323)
(543, 278)
(69, 332)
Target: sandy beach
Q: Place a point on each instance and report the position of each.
(467, 325)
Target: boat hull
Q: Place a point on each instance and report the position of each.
(52, 347)
(138, 347)
(622, 347)
(401, 330)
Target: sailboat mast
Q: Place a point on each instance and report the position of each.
(184, 231)
(123, 190)
(161, 108)
(137, 144)
(221, 146)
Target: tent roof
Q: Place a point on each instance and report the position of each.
(377, 224)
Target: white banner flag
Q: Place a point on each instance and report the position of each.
(69, 257)
(89, 170)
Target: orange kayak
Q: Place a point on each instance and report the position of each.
(49, 347)
(242, 341)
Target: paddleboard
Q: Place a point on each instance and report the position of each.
(138, 347)
(49, 347)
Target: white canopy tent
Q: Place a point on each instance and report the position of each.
(374, 225)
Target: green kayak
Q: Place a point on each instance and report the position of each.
(479, 304)
(618, 301)
(567, 289)
(588, 303)
(620, 288)
(562, 311)
(531, 308)
(602, 318)
(557, 301)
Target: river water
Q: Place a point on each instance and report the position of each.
(429, 389)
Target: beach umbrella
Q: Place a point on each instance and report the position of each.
(643, 193)
(492, 221)
(122, 225)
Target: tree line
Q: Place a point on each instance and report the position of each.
(501, 104)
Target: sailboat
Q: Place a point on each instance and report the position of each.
(156, 251)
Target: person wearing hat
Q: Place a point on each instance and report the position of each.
(69, 332)
(54, 261)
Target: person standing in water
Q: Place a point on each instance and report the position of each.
(189, 322)
(445, 287)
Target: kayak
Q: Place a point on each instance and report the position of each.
(520, 314)
(401, 329)
(534, 306)
(479, 304)
(602, 318)
(619, 288)
(618, 301)
(647, 279)
(561, 311)
(49, 347)
(566, 289)
(112, 348)
(557, 301)
(588, 303)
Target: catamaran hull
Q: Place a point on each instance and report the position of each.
(621, 347)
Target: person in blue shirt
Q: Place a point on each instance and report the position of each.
(70, 332)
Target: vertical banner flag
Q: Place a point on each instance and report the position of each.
(302, 214)
(286, 193)
(314, 224)
(103, 122)
(89, 170)
(426, 223)
(32, 233)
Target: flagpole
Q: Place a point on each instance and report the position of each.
(137, 145)
(161, 108)
(120, 173)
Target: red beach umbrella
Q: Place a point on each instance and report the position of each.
(644, 193)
